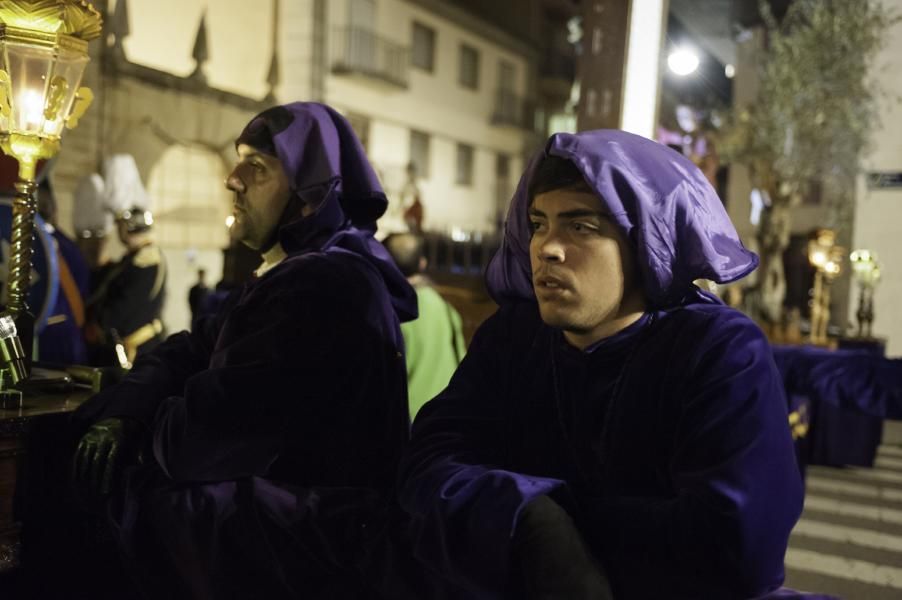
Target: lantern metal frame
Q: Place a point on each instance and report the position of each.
(52, 34)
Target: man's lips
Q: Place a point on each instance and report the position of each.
(549, 282)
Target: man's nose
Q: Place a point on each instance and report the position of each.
(551, 249)
(234, 183)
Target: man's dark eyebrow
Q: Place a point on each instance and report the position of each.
(577, 213)
(581, 212)
(250, 155)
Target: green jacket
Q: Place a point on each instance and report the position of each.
(434, 343)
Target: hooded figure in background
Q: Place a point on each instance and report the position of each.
(613, 430)
(126, 304)
(271, 433)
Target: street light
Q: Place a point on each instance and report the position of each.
(683, 61)
(43, 55)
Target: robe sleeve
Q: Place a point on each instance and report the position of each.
(464, 507)
(738, 490)
(298, 363)
(155, 376)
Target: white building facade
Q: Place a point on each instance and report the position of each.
(422, 82)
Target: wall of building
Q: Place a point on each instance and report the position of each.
(434, 103)
(878, 217)
(297, 32)
(239, 39)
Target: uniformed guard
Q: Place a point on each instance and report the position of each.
(127, 305)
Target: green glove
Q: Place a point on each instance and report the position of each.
(552, 558)
(108, 447)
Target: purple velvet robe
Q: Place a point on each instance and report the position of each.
(667, 443)
(277, 425)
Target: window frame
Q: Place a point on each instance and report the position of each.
(465, 165)
(432, 36)
(462, 78)
(422, 168)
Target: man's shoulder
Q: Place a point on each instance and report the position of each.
(706, 333)
(331, 265)
(147, 256)
(429, 297)
(710, 318)
(323, 275)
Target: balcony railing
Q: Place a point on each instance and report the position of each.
(460, 251)
(512, 110)
(360, 51)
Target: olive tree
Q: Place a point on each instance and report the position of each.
(810, 121)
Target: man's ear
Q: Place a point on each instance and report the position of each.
(423, 263)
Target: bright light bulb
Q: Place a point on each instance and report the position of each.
(230, 220)
(819, 258)
(729, 71)
(682, 61)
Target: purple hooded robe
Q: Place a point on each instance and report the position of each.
(277, 425)
(667, 443)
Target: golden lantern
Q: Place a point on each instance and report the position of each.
(43, 55)
(866, 269)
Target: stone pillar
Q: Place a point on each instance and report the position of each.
(602, 65)
(619, 68)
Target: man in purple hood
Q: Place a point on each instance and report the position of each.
(269, 436)
(613, 430)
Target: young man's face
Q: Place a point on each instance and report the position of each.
(583, 269)
(262, 192)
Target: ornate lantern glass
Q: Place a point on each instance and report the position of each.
(865, 267)
(43, 55)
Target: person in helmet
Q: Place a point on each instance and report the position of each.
(126, 307)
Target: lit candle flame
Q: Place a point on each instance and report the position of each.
(31, 106)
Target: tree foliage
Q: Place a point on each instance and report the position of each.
(815, 107)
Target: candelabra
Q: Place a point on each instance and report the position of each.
(826, 257)
(867, 272)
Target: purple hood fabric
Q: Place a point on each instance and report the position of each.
(660, 200)
(327, 167)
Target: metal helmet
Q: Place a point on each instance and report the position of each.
(136, 219)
